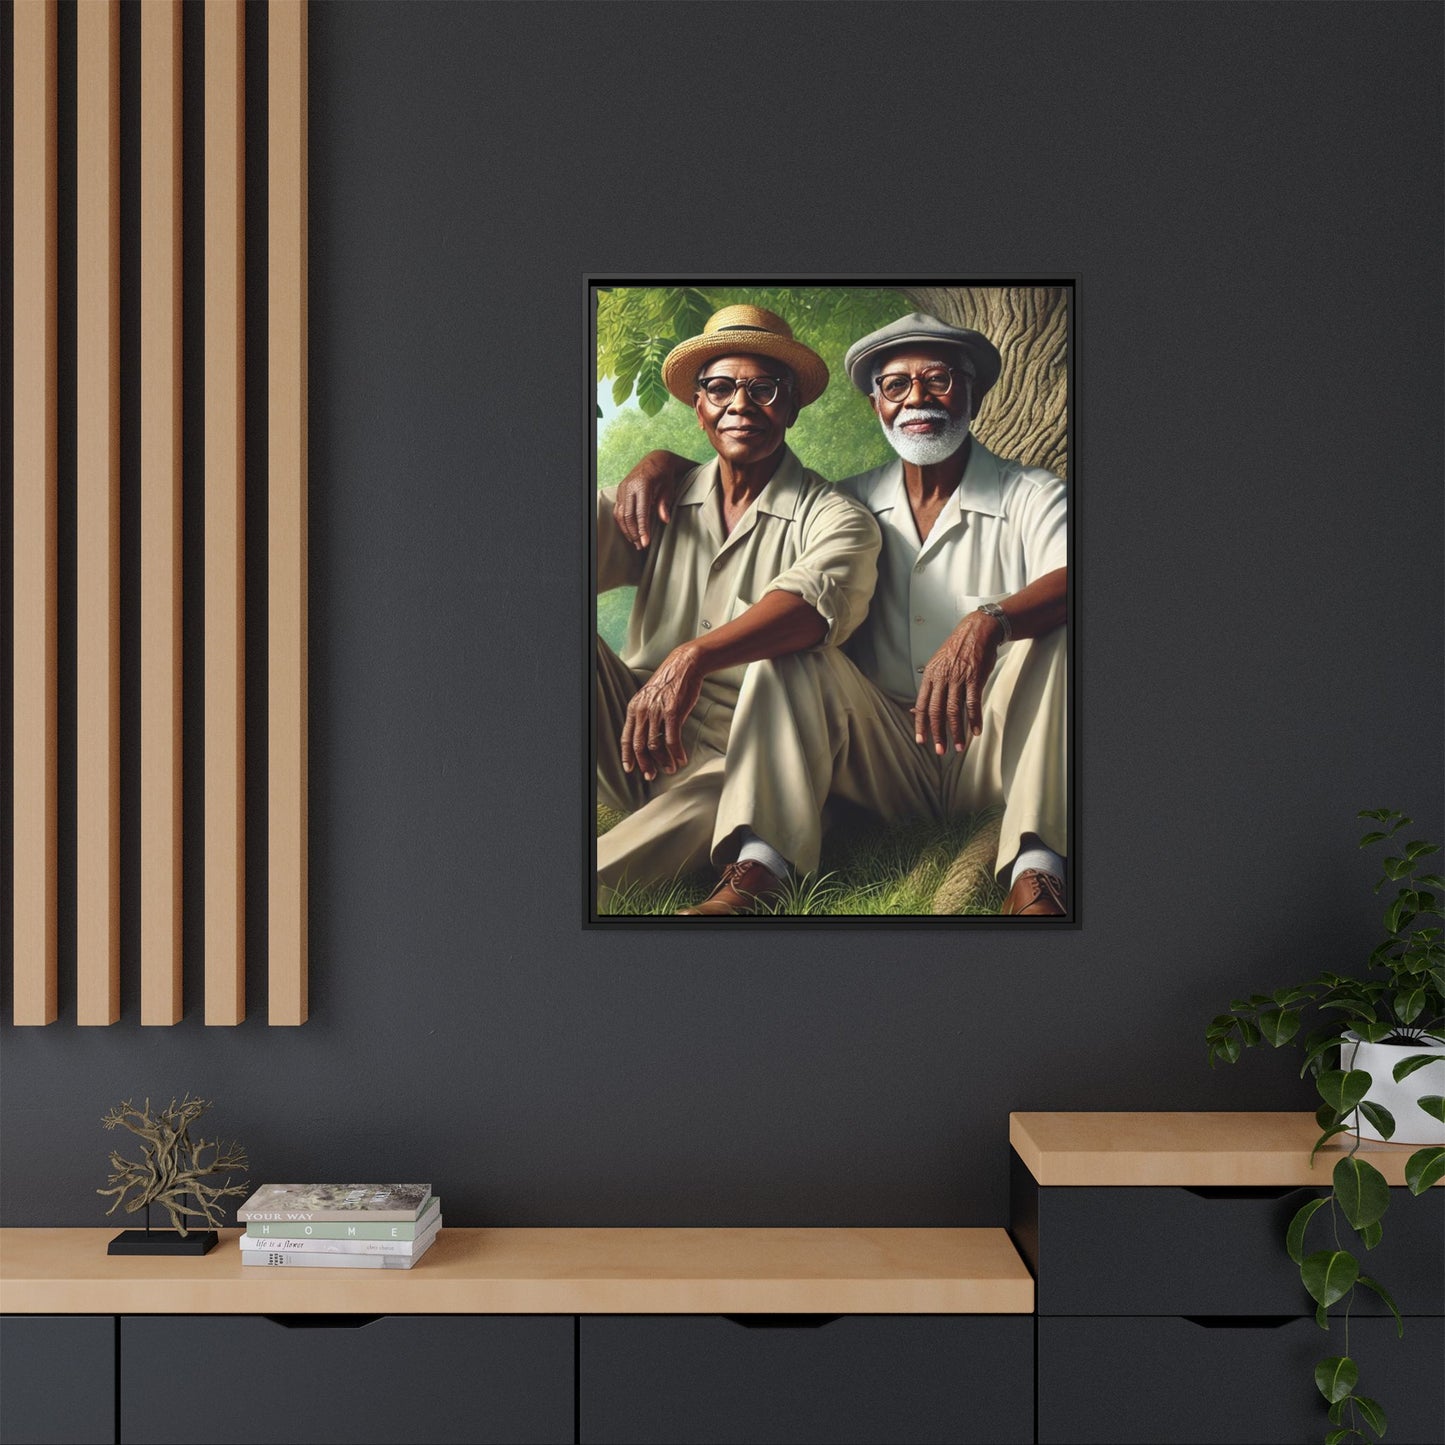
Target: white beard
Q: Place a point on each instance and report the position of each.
(926, 451)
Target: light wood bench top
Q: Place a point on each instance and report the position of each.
(542, 1271)
(1189, 1150)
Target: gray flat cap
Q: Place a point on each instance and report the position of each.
(919, 327)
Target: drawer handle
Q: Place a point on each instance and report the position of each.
(322, 1322)
(782, 1322)
(1244, 1191)
(1242, 1322)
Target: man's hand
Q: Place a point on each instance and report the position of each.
(649, 489)
(652, 730)
(950, 700)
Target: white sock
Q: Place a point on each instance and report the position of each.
(1033, 854)
(754, 850)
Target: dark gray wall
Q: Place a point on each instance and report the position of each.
(1249, 197)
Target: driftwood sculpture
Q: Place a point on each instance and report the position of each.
(172, 1165)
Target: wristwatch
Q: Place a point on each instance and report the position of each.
(997, 612)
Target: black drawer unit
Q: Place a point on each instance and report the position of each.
(1170, 1314)
(1228, 1381)
(310, 1379)
(786, 1378)
(1157, 1250)
(57, 1379)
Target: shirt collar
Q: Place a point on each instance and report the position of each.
(980, 489)
(780, 498)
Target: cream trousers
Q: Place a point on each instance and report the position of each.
(809, 726)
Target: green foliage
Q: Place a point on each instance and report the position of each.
(868, 869)
(837, 436)
(1406, 1006)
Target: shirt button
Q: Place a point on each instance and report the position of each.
(918, 619)
(705, 624)
(918, 670)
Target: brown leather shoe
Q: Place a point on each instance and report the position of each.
(741, 890)
(1035, 894)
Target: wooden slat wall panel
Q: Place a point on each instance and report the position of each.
(34, 701)
(97, 456)
(160, 584)
(160, 521)
(225, 688)
(286, 539)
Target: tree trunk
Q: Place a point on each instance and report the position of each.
(1025, 415)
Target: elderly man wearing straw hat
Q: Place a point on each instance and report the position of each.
(762, 559)
(953, 696)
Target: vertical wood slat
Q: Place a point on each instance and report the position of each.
(34, 616)
(160, 512)
(286, 527)
(225, 773)
(97, 457)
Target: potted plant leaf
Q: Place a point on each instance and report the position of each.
(1378, 1061)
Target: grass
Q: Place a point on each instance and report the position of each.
(868, 869)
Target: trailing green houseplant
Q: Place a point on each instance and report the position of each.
(1400, 1001)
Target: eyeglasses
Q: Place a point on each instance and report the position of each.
(761, 390)
(898, 385)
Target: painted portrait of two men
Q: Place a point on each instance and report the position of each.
(831, 557)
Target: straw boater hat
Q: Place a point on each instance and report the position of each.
(915, 328)
(744, 331)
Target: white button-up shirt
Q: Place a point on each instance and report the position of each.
(1005, 526)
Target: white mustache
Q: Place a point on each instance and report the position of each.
(920, 413)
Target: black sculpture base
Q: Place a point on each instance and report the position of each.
(163, 1241)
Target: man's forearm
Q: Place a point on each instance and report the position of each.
(1040, 607)
(780, 623)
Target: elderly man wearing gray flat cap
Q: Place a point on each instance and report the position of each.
(953, 693)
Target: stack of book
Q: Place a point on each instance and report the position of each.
(339, 1226)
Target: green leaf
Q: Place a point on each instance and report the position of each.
(1384, 1294)
(1433, 1105)
(1338, 1437)
(1380, 1117)
(1379, 813)
(1226, 1049)
(1342, 1089)
(622, 388)
(1372, 1234)
(1374, 1415)
(1336, 1411)
(1295, 1238)
(1321, 1318)
(1279, 1025)
(1336, 1377)
(1431, 880)
(1407, 1066)
(1326, 1117)
(1419, 848)
(1423, 1168)
(1372, 837)
(1329, 1275)
(652, 394)
(1361, 1191)
(1401, 912)
(1408, 1003)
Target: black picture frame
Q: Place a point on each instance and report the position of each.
(594, 917)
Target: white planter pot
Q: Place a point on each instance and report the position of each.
(1412, 1124)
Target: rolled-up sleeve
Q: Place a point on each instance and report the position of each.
(836, 569)
(619, 563)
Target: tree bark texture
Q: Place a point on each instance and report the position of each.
(1025, 414)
